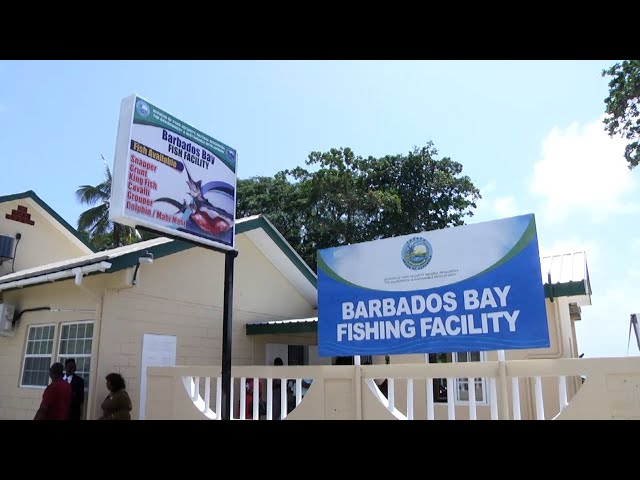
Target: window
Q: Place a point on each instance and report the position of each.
(364, 360)
(37, 356)
(461, 385)
(439, 384)
(75, 342)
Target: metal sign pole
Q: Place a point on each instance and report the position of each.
(227, 315)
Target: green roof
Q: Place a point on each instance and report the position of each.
(32, 195)
(565, 275)
(301, 325)
(566, 289)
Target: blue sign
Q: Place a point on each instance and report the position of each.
(469, 288)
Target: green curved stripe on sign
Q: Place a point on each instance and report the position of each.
(528, 235)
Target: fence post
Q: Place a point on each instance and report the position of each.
(358, 386)
(502, 382)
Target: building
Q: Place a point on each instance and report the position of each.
(160, 302)
(97, 306)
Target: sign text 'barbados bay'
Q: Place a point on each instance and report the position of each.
(470, 288)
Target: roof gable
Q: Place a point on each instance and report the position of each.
(56, 220)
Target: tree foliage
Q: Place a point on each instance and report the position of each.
(348, 199)
(622, 106)
(94, 223)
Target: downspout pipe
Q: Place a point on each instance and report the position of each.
(79, 273)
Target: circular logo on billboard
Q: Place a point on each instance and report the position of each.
(231, 154)
(416, 253)
(143, 108)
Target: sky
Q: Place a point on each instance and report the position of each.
(529, 134)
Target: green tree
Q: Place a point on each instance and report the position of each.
(431, 193)
(94, 223)
(349, 199)
(338, 204)
(622, 106)
(277, 198)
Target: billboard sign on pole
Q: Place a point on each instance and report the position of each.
(172, 178)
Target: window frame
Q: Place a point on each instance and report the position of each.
(483, 381)
(452, 357)
(26, 355)
(75, 356)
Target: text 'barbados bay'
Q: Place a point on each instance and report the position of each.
(437, 319)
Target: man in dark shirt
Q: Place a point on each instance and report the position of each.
(77, 389)
(56, 398)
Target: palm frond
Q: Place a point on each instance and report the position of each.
(102, 226)
(89, 194)
(89, 218)
(107, 171)
(105, 188)
(95, 221)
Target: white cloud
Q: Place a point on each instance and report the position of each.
(488, 188)
(505, 207)
(484, 209)
(634, 274)
(491, 207)
(604, 328)
(487, 207)
(583, 170)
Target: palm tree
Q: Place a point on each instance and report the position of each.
(95, 222)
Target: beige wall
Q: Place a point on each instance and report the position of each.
(331, 396)
(182, 295)
(22, 402)
(40, 244)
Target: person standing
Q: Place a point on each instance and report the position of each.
(117, 405)
(56, 397)
(277, 386)
(77, 389)
(248, 402)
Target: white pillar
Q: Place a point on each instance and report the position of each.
(539, 399)
(410, 398)
(515, 386)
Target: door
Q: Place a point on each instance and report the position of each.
(157, 350)
(275, 350)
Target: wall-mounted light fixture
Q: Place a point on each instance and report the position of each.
(147, 258)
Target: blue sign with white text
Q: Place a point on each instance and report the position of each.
(469, 288)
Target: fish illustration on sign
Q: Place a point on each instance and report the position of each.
(211, 219)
